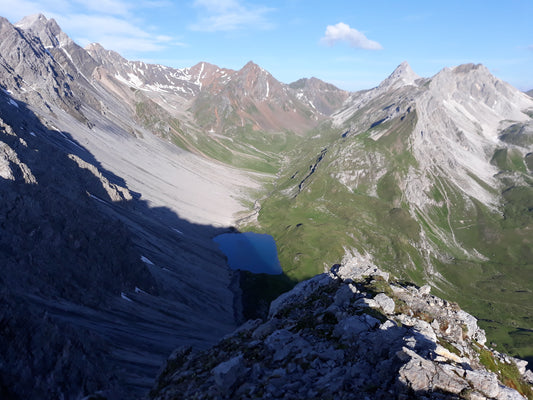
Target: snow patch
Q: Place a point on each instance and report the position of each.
(199, 76)
(123, 295)
(97, 198)
(146, 260)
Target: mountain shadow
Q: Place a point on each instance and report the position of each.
(96, 286)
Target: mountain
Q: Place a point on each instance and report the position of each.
(107, 257)
(351, 332)
(117, 174)
(431, 178)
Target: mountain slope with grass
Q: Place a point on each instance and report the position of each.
(431, 179)
(118, 174)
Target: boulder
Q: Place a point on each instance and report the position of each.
(385, 302)
(228, 372)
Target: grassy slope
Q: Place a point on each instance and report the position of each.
(313, 227)
(241, 147)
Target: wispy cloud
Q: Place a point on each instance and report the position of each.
(115, 24)
(230, 15)
(416, 17)
(109, 7)
(344, 33)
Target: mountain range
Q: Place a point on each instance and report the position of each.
(117, 174)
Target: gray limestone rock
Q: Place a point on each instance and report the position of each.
(298, 294)
(344, 296)
(417, 373)
(484, 382)
(506, 393)
(321, 344)
(227, 373)
(425, 289)
(385, 302)
(266, 329)
(350, 328)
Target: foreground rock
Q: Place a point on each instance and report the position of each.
(347, 334)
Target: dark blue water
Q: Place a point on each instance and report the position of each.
(250, 251)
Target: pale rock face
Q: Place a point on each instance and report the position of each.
(385, 302)
(459, 118)
(403, 75)
(355, 265)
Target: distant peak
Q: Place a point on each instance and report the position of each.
(403, 75)
(466, 68)
(404, 66)
(46, 29)
(470, 71)
(250, 64)
(253, 69)
(312, 83)
(404, 72)
(31, 21)
(203, 65)
(94, 47)
(99, 52)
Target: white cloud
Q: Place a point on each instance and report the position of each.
(116, 24)
(111, 7)
(229, 15)
(217, 6)
(113, 32)
(343, 33)
(16, 10)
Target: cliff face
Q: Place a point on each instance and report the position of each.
(352, 331)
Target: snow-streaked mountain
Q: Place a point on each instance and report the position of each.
(428, 177)
(107, 258)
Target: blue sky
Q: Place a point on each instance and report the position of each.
(352, 44)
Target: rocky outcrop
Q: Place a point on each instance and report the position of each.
(350, 333)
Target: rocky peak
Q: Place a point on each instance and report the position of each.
(313, 84)
(254, 83)
(403, 75)
(205, 74)
(5, 27)
(461, 114)
(30, 21)
(350, 330)
(253, 74)
(45, 29)
(109, 58)
(321, 96)
(251, 67)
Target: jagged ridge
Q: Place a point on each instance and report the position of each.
(353, 331)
